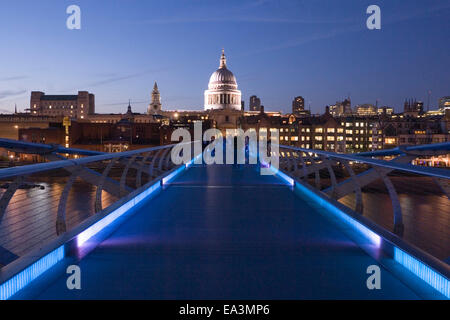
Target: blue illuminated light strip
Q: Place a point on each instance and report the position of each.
(420, 269)
(99, 225)
(26, 276)
(372, 236)
(169, 177)
(23, 278)
(283, 176)
(424, 272)
(369, 234)
(190, 163)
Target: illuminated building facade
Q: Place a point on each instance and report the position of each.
(444, 103)
(79, 106)
(366, 110)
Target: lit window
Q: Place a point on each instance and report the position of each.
(389, 140)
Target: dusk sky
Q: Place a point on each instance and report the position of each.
(319, 49)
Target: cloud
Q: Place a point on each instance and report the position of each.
(405, 16)
(4, 94)
(244, 12)
(181, 20)
(13, 78)
(115, 78)
(112, 78)
(295, 42)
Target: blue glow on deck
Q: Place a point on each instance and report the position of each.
(110, 218)
(362, 229)
(424, 272)
(26, 276)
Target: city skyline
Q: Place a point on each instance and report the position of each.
(120, 52)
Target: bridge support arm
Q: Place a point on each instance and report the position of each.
(398, 219)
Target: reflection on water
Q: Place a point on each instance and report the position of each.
(30, 219)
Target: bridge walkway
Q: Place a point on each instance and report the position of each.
(225, 232)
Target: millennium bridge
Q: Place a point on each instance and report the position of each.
(140, 227)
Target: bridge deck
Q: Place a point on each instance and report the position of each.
(222, 232)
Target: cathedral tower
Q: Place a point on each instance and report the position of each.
(155, 105)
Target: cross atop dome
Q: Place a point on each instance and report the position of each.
(223, 60)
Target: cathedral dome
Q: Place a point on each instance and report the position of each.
(222, 77)
(222, 90)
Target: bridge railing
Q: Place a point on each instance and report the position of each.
(303, 164)
(39, 202)
(317, 174)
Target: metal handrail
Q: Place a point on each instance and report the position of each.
(444, 147)
(292, 157)
(155, 162)
(428, 171)
(24, 146)
(40, 167)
